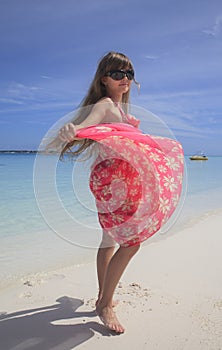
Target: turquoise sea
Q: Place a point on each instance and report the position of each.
(30, 244)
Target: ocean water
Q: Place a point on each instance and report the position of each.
(62, 228)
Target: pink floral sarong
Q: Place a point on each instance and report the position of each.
(136, 180)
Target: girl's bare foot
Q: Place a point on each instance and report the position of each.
(109, 319)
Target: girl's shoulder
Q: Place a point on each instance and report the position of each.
(107, 100)
(106, 104)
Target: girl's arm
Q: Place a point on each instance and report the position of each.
(97, 115)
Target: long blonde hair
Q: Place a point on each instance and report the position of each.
(97, 90)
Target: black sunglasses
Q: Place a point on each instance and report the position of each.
(120, 74)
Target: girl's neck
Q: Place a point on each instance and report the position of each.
(116, 98)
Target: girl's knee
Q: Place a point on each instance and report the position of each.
(131, 250)
(135, 248)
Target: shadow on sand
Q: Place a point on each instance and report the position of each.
(34, 329)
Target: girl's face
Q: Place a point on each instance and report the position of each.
(118, 82)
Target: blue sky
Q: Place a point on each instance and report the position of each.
(50, 50)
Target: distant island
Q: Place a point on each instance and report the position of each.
(18, 151)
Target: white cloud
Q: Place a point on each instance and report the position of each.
(45, 94)
(216, 29)
(188, 112)
(11, 101)
(151, 57)
(51, 106)
(188, 93)
(22, 92)
(45, 77)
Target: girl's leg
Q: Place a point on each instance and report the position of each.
(104, 256)
(114, 271)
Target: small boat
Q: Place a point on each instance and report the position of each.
(200, 156)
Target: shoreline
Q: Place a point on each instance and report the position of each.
(180, 224)
(82, 258)
(172, 289)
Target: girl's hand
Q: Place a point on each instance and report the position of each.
(68, 132)
(133, 121)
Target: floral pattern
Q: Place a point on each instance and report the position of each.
(136, 180)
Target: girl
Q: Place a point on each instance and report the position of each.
(132, 202)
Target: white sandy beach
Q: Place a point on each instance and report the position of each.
(170, 299)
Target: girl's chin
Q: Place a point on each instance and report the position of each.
(124, 88)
